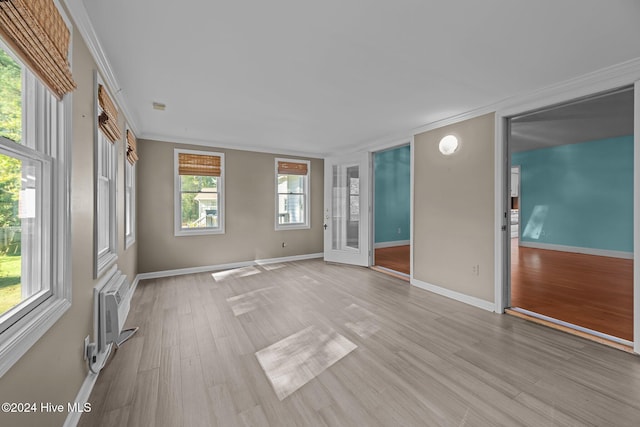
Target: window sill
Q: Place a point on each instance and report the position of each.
(20, 337)
(104, 262)
(129, 240)
(293, 227)
(200, 232)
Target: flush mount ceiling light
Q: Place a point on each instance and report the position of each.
(448, 145)
(159, 106)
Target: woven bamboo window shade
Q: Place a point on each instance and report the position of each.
(199, 164)
(108, 118)
(132, 148)
(292, 168)
(37, 33)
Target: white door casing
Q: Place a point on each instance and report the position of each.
(346, 209)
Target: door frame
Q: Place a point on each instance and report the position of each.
(372, 224)
(579, 88)
(363, 159)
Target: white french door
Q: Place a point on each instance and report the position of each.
(346, 209)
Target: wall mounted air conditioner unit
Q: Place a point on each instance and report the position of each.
(111, 306)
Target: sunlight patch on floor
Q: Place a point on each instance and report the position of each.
(294, 361)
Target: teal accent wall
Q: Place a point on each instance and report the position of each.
(578, 195)
(392, 176)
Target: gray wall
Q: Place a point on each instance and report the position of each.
(53, 370)
(249, 212)
(454, 208)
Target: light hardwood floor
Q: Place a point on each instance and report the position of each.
(420, 359)
(396, 258)
(594, 292)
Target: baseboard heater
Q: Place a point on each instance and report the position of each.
(112, 302)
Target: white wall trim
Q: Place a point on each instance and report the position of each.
(82, 397)
(134, 286)
(218, 267)
(376, 145)
(501, 217)
(392, 244)
(412, 187)
(467, 299)
(578, 250)
(228, 145)
(636, 220)
(601, 80)
(82, 22)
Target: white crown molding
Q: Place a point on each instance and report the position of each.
(623, 74)
(382, 144)
(605, 79)
(218, 144)
(84, 26)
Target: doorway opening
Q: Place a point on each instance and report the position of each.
(570, 249)
(392, 211)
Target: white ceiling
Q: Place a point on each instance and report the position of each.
(320, 77)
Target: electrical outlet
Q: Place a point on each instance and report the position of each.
(399, 230)
(86, 346)
(476, 269)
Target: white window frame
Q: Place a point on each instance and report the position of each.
(130, 207)
(178, 230)
(48, 121)
(105, 157)
(307, 202)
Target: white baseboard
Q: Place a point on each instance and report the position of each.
(467, 299)
(578, 250)
(392, 244)
(134, 285)
(82, 397)
(218, 267)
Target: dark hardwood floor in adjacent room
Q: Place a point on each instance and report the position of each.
(594, 292)
(364, 354)
(396, 258)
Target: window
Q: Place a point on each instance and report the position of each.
(106, 134)
(292, 194)
(130, 190)
(199, 192)
(34, 224)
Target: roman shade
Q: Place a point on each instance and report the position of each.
(37, 33)
(292, 168)
(132, 148)
(199, 164)
(108, 117)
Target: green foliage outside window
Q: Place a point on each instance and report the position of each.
(10, 128)
(10, 98)
(10, 183)
(191, 186)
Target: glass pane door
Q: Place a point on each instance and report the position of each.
(346, 212)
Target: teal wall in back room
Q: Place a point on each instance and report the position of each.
(392, 176)
(582, 194)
